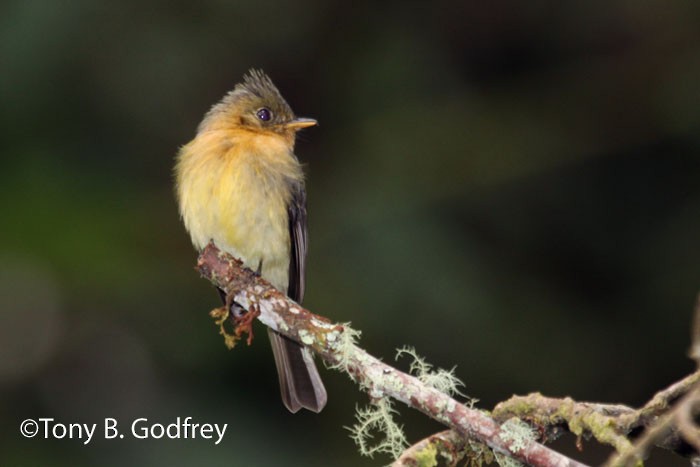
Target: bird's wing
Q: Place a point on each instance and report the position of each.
(300, 383)
(298, 237)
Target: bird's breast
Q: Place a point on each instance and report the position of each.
(237, 195)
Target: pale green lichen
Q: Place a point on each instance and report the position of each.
(306, 337)
(378, 419)
(322, 324)
(331, 337)
(440, 405)
(443, 380)
(518, 433)
(344, 345)
(393, 382)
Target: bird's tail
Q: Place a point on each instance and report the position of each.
(300, 383)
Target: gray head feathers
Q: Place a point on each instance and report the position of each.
(256, 82)
(257, 91)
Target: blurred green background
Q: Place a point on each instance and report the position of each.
(510, 187)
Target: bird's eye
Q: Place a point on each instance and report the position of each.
(264, 114)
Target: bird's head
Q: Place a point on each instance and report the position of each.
(256, 105)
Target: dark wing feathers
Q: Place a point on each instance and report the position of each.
(300, 383)
(298, 237)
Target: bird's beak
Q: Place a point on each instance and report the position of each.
(299, 123)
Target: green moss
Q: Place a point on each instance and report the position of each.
(426, 457)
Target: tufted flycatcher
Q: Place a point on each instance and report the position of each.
(240, 185)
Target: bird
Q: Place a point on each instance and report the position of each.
(240, 185)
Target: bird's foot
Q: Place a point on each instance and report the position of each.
(234, 321)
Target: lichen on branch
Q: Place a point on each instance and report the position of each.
(378, 420)
(336, 345)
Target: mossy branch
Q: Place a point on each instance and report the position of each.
(607, 423)
(667, 421)
(335, 343)
(448, 445)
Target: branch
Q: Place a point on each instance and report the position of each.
(607, 423)
(667, 420)
(447, 443)
(665, 431)
(335, 344)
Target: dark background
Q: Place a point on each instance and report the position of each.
(510, 187)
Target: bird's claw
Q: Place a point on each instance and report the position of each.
(234, 321)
